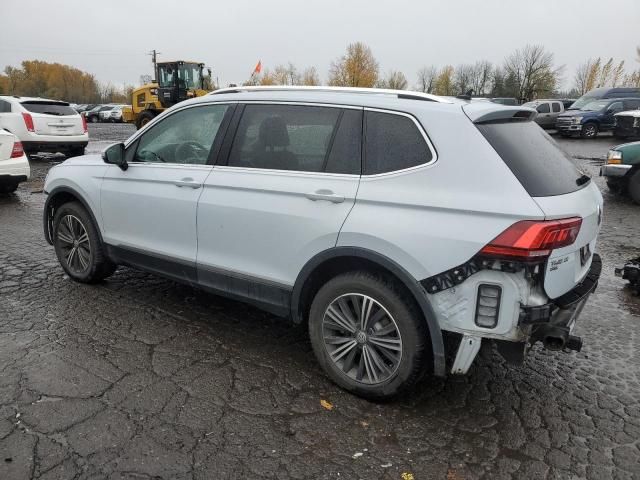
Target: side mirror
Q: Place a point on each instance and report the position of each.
(114, 155)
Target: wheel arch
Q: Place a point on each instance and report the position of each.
(332, 262)
(58, 197)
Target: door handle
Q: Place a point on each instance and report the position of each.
(187, 182)
(325, 195)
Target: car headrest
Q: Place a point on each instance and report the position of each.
(273, 132)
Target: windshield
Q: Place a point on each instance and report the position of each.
(188, 76)
(49, 108)
(581, 102)
(530, 104)
(595, 106)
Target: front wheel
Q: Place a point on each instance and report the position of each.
(369, 336)
(590, 130)
(78, 246)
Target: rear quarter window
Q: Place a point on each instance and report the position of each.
(393, 142)
(536, 160)
(49, 108)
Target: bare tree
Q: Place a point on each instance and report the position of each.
(462, 78)
(310, 77)
(427, 79)
(533, 71)
(581, 77)
(481, 74)
(356, 68)
(394, 80)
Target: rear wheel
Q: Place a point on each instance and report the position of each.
(144, 118)
(78, 246)
(590, 130)
(368, 335)
(633, 187)
(8, 187)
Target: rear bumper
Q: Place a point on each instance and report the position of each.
(15, 170)
(55, 144)
(614, 170)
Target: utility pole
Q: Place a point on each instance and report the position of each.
(154, 54)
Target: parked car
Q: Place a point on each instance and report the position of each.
(627, 124)
(14, 165)
(93, 115)
(605, 93)
(594, 117)
(505, 101)
(548, 111)
(84, 108)
(376, 216)
(113, 116)
(622, 170)
(44, 125)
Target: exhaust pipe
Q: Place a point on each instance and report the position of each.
(558, 338)
(553, 342)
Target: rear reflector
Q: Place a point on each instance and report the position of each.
(531, 240)
(17, 150)
(488, 305)
(28, 121)
(84, 124)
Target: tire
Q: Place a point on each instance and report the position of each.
(590, 130)
(144, 118)
(76, 152)
(633, 187)
(8, 187)
(74, 229)
(398, 324)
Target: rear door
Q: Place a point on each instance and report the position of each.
(53, 118)
(608, 119)
(288, 179)
(6, 146)
(559, 188)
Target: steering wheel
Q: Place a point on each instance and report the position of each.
(188, 151)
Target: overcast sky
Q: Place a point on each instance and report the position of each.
(111, 38)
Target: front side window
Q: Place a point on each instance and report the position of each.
(393, 142)
(140, 99)
(287, 137)
(186, 137)
(615, 107)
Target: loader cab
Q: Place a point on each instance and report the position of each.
(178, 81)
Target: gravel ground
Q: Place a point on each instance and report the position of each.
(141, 378)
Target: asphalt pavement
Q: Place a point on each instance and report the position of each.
(143, 378)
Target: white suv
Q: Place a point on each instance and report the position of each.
(44, 125)
(394, 223)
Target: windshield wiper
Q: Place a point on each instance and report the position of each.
(583, 180)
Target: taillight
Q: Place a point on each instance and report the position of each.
(28, 121)
(531, 240)
(17, 151)
(84, 124)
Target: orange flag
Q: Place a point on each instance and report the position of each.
(258, 68)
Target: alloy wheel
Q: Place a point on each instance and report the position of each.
(74, 243)
(590, 131)
(362, 338)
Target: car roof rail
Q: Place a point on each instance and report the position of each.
(404, 94)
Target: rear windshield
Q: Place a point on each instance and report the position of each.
(534, 157)
(50, 108)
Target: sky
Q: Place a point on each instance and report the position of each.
(111, 38)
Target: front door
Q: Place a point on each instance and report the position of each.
(289, 183)
(149, 210)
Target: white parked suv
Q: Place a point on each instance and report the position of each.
(14, 165)
(44, 125)
(402, 227)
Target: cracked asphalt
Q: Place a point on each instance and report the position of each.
(143, 378)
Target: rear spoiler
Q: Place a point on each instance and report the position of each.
(485, 112)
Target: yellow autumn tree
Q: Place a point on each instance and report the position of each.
(356, 68)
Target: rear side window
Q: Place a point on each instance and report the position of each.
(556, 107)
(5, 107)
(49, 108)
(286, 137)
(393, 142)
(534, 157)
(631, 104)
(543, 108)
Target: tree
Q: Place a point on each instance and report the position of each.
(481, 77)
(356, 68)
(427, 79)
(582, 76)
(444, 81)
(394, 80)
(310, 77)
(533, 72)
(462, 78)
